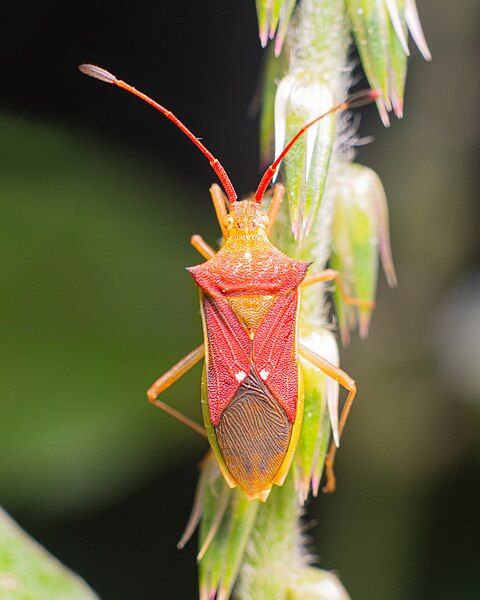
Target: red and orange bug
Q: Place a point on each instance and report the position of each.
(252, 392)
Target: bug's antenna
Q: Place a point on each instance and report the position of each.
(103, 75)
(354, 101)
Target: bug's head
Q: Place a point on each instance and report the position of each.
(246, 218)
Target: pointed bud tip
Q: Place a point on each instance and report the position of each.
(278, 45)
(391, 278)
(303, 487)
(383, 112)
(398, 110)
(364, 324)
(263, 33)
(97, 73)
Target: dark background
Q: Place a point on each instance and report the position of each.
(98, 199)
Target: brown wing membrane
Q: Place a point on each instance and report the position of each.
(253, 435)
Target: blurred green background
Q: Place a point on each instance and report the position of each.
(98, 199)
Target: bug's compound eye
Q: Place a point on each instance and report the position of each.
(263, 221)
(229, 221)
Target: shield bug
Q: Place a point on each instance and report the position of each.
(252, 392)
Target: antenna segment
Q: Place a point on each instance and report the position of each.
(354, 101)
(104, 75)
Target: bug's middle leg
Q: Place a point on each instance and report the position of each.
(332, 275)
(349, 384)
(168, 378)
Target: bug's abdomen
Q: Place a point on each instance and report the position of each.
(253, 435)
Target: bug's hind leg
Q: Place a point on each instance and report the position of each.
(277, 198)
(332, 275)
(168, 378)
(349, 384)
(221, 205)
(201, 246)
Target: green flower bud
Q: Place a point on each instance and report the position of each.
(370, 24)
(321, 400)
(300, 98)
(227, 518)
(359, 234)
(315, 584)
(398, 56)
(273, 18)
(380, 30)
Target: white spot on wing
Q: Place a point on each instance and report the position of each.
(264, 374)
(240, 376)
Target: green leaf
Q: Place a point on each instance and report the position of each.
(29, 572)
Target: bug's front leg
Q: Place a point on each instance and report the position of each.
(277, 198)
(220, 203)
(168, 378)
(349, 384)
(202, 247)
(332, 275)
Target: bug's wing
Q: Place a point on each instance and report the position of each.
(228, 353)
(275, 352)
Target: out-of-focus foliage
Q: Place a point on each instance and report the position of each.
(28, 572)
(86, 312)
(273, 20)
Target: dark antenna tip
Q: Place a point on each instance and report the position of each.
(97, 73)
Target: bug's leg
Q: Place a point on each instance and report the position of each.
(277, 198)
(168, 378)
(220, 204)
(201, 246)
(332, 275)
(349, 384)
